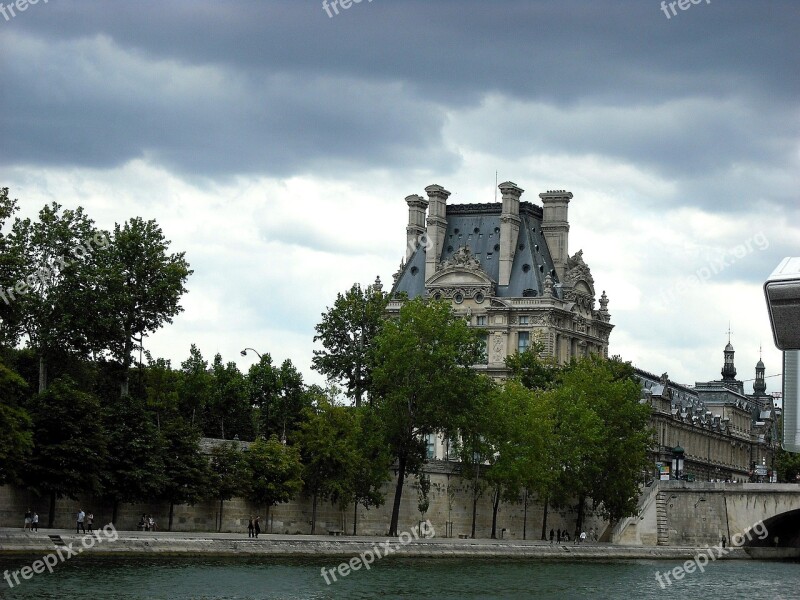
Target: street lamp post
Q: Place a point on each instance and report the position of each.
(244, 352)
(677, 461)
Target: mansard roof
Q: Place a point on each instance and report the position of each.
(477, 227)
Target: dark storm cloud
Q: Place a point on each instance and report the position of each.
(222, 88)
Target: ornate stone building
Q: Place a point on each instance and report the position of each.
(506, 268)
(720, 432)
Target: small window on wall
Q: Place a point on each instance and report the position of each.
(481, 321)
(484, 359)
(430, 446)
(524, 320)
(523, 341)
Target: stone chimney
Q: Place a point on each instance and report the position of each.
(437, 227)
(555, 227)
(415, 232)
(509, 229)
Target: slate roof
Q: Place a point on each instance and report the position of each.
(477, 226)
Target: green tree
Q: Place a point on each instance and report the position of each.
(194, 393)
(601, 430)
(229, 475)
(56, 300)
(329, 454)
(276, 473)
(186, 470)
(69, 443)
(423, 382)
(161, 385)
(16, 437)
(11, 271)
(534, 371)
(519, 436)
(228, 413)
(347, 332)
(787, 464)
(134, 469)
(139, 286)
(374, 461)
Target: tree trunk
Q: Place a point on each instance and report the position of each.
(475, 499)
(124, 386)
(314, 514)
(495, 506)
(579, 524)
(220, 514)
(266, 521)
(398, 494)
(51, 517)
(544, 519)
(525, 516)
(355, 517)
(171, 512)
(42, 374)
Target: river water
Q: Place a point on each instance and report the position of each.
(249, 578)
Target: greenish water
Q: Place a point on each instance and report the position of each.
(247, 578)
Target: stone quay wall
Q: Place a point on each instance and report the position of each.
(450, 512)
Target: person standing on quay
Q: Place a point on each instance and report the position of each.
(89, 521)
(28, 518)
(35, 522)
(81, 517)
(552, 535)
(250, 527)
(257, 526)
(558, 535)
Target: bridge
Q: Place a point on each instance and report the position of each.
(681, 513)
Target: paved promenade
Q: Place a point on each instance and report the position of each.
(15, 541)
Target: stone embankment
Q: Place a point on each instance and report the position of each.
(195, 544)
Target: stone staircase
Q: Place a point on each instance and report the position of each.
(661, 519)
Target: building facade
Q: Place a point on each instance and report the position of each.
(506, 268)
(712, 431)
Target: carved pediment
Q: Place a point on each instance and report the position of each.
(461, 270)
(578, 279)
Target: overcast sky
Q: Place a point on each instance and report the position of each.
(275, 144)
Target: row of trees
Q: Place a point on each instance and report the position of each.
(565, 433)
(66, 442)
(79, 415)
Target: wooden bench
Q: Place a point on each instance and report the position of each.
(335, 532)
(463, 536)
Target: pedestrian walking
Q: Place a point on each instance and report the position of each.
(35, 522)
(724, 541)
(250, 528)
(80, 525)
(558, 535)
(552, 534)
(583, 537)
(28, 517)
(257, 526)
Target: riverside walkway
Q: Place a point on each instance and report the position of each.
(15, 541)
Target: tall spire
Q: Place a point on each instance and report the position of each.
(728, 370)
(759, 385)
